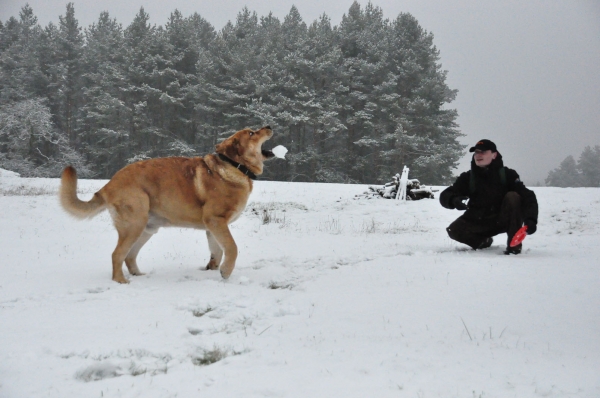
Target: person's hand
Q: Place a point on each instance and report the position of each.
(531, 226)
(459, 202)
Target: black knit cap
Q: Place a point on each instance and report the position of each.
(484, 145)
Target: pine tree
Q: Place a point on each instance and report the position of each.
(317, 155)
(150, 77)
(368, 121)
(65, 75)
(20, 73)
(29, 141)
(9, 33)
(584, 173)
(189, 38)
(422, 121)
(354, 99)
(589, 166)
(30, 145)
(225, 85)
(103, 118)
(567, 175)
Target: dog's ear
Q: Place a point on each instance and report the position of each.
(230, 147)
(238, 147)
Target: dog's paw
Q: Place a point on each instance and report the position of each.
(136, 272)
(226, 273)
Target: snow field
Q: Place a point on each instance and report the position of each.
(331, 296)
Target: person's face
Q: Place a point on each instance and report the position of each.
(484, 158)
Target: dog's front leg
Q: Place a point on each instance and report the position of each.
(217, 226)
(216, 252)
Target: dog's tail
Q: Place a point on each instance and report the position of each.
(71, 203)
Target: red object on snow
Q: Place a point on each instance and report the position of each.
(519, 236)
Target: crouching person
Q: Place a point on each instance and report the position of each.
(498, 201)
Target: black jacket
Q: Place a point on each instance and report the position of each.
(489, 191)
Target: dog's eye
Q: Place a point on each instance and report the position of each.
(251, 134)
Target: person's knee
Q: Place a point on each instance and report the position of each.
(451, 232)
(512, 199)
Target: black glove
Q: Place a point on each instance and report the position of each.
(458, 202)
(531, 226)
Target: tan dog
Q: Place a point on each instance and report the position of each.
(205, 193)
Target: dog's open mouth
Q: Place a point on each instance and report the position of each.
(267, 153)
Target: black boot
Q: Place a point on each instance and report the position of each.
(486, 243)
(514, 250)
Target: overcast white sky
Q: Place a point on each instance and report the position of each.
(528, 72)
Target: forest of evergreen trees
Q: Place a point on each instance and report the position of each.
(352, 103)
(583, 173)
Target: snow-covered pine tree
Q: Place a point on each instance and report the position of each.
(423, 94)
(190, 38)
(589, 165)
(354, 99)
(364, 36)
(30, 145)
(182, 53)
(294, 97)
(317, 153)
(104, 117)
(152, 91)
(65, 75)
(567, 175)
(29, 142)
(584, 173)
(21, 76)
(225, 81)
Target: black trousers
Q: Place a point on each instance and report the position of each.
(474, 232)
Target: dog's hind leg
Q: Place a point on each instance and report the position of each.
(130, 221)
(216, 253)
(131, 259)
(127, 239)
(220, 231)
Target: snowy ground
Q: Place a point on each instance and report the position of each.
(335, 297)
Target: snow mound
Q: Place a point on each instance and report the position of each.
(8, 174)
(99, 371)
